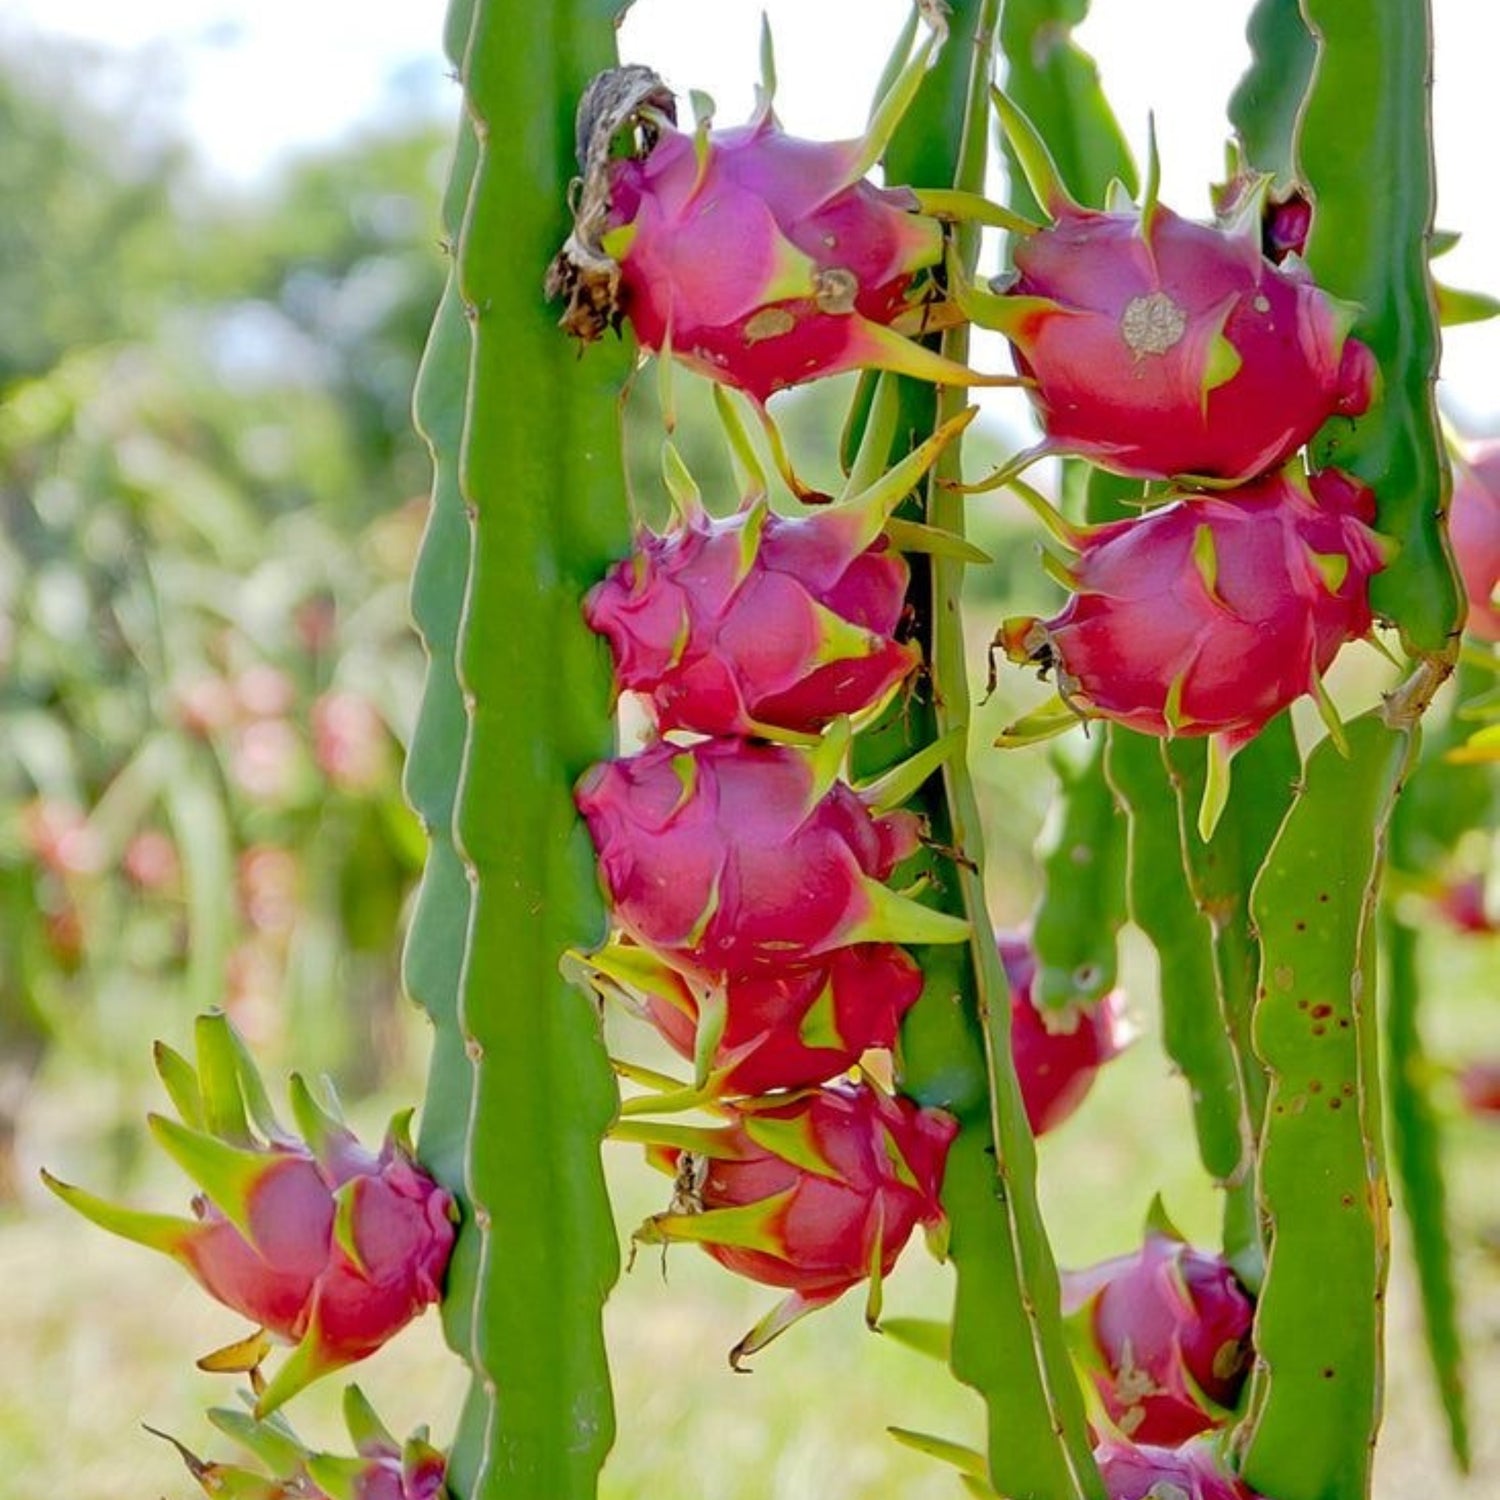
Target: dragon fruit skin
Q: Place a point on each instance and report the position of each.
(1149, 1472)
(811, 1192)
(768, 263)
(1164, 348)
(323, 1243)
(730, 857)
(735, 624)
(1213, 613)
(1057, 1056)
(797, 1027)
(1167, 1334)
(1474, 530)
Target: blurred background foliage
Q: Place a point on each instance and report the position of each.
(210, 496)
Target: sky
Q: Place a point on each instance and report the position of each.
(250, 80)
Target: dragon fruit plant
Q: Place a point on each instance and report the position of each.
(1211, 614)
(1165, 349)
(1165, 1337)
(815, 1191)
(381, 1468)
(317, 1240)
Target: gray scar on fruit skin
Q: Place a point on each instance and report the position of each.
(1152, 324)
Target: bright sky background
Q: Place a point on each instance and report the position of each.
(255, 78)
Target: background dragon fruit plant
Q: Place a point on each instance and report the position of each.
(783, 875)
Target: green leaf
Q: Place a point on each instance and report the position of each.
(1313, 1403)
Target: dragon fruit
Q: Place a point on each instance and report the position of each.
(1209, 615)
(1163, 348)
(1165, 1334)
(730, 857)
(384, 1469)
(814, 1192)
(789, 1028)
(1474, 529)
(1148, 1472)
(1479, 1088)
(758, 259)
(319, 1241)
(1057, 1054)
(757, 624)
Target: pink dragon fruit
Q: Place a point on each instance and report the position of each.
(1474, 529)
(1165, 1335)
(759, 260)
(1159, 347)
(814, 1192)
(383, 1469)
(1210, 615)
(788, 1028)
(1057, 1054)
(754, 623)
(319, 1241)
(1479, 1088)
(1147, 1472)
(730, 857)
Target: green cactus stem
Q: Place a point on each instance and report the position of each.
(528, 506)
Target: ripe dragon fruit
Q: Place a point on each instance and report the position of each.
(1148, 1472)
(814, 1192)
(729, 857)
(759, 260)
(1479, 1088)
(1057, 1054)
(1474, 530)
(383, 1469)
(319, 1241)
(1162, 348)
(789, 1028)
(757, 624)
(1209, 615)
(1164, 1334)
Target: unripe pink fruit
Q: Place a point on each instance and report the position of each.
(729, 857)
(1167, 1334)
(1057, 1054)
(1213, 613)
(810, 1192)
(734, 625)
(1163, 348)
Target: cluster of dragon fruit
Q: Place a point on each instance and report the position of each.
(755, 921)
